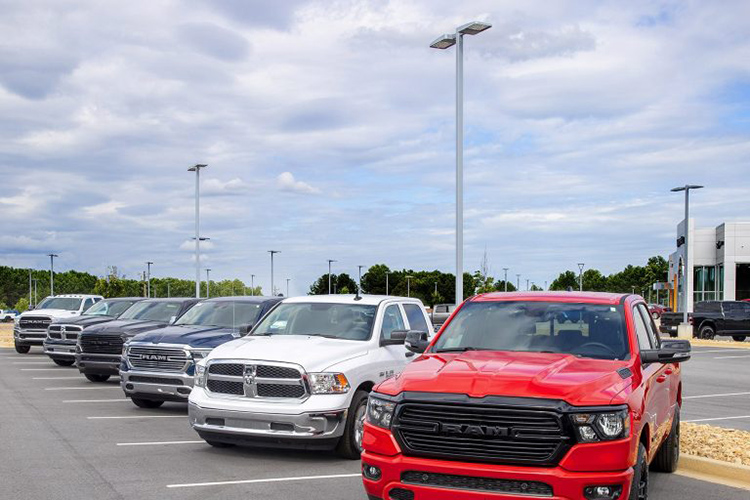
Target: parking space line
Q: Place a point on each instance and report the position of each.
(56, 378)
(732, 357)
(81, 388)
(714, 419)
(717, 395)
(159, 443)
(96, 400)
(726, 349)
(137, 416)
(268, 480)
(30, 362)
(43, 369)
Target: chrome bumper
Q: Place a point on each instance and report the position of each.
(60, 349)
(133, 384)
(29, 337)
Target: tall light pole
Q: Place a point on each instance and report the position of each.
(686, 188)
(36, 298)
(52, 272)
(408, 285)
(527, 284)
(330, 261)
(444, 42)
(30, 302)
(505, 279)
(148, 279)
(272, 252)
(197, 169)
(287, 286)
(168, 291)
(208, 282)
(436, 288)
(386, 283)
(518, 282)
(252, 285)
(580, 276)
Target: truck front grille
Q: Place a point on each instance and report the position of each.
(67, 332)
(494, 485)
(101, 344)
(34, 323)
(481, 433)
(261, 380)
(158, 358)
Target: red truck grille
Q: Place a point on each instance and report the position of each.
(479, 433)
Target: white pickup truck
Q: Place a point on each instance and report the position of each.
(301, 378)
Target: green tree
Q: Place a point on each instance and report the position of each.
(567, 279)
(22, 304)
(500, 286)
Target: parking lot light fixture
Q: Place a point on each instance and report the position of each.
(330, 261)
(272, 252)
(287, 286)
(197, 169)
(686, 188)
(52, 272)
(408, 285)
(252, 285)
(505, 279)
(518, 282)
(444, 42)
(580, 276)
(148, 278)
(386, 283)
(208, 282)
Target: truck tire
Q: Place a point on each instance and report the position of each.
(64, 362)
(639, 487)
(739, 338)
(707, 332)
(146, 403)
(23, 349)
(95, 377)
(669, 452)
(350, 445)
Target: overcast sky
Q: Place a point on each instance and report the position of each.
(328, 127)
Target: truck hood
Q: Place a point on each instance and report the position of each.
(189, 335)
(53, 313)
(313, 353)
(84, 321)
(578, 381)
(126, 327)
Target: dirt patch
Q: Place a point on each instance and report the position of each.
(727, 445)
(6, 334)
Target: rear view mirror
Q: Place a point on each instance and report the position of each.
(417, 341)
(245, 329)
(671, 351)
(397, 337)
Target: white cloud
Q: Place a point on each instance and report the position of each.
(286, 182)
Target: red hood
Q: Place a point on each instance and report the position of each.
(578, 381)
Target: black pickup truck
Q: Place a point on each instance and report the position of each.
(712, 318)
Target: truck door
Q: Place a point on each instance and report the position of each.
(733, 317)
(390, 359)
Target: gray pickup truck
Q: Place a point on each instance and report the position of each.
(712, 318)
(440, 314)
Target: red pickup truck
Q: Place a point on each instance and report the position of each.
(553, 395)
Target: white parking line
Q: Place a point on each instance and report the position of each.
(30, 362)
(717, 395)
(56, 378)
(269, 480)
(159, 443)
(726, 349)
(733, 357)
(137, 416)
(81, 388)
(718, 418)
(97, 400)
(43, 369)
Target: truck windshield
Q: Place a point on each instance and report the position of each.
(340, 321)
(65, 303)
(152, 311)
(109, 308)
(584, 330)
(225, 314)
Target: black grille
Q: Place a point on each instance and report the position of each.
(101, 344)
(54, 335)
(400, 494)
(71, 336)
(479, 433)
(225, 387)
(35, 322)
(268, 371)
(155, 380)
(280, 391)
(494, 485)
(233, 369)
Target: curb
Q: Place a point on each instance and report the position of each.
(715, 471)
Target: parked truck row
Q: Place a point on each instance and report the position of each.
(560, 395)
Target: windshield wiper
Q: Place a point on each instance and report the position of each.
(460, 349)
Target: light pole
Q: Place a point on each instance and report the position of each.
(252, 285)
(148, 279)
(36, 298)
(505, 279)
(685, 290)
(168, 292)
(272, 252)
(436, 288)
(518, 282)
(287, 286)
(527, 284)
(386, 283)
(52, 273)
(197, 169)
(330, 261)
(208, 283)
(408, 285)
(359, 280)
(580, 276)
(30, 302)
(444, 42)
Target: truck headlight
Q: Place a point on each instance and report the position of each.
(606, 426)
(125, 350)
(380, 412)
(199, 354)
(329, 383)
(200, 375)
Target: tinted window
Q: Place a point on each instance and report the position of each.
(415, 317)
(225, 314)
(650, 327)
(641, 331)
(586, 330)
(392, 320)
(708, 307)
(153, 311)
(343, 321)
(65, 303)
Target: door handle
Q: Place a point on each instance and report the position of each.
(661, 378)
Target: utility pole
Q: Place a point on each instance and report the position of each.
(197, 169)
(688, 271)
(505, 279)
(272, 252)
(330, 261)
(52, 273)
(148, 279)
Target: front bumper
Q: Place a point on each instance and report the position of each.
(29, 337)
(98, 364)
(565, 485)
(60, 349)
(162, 386)
(316, 423)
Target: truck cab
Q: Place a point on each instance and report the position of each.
(30, 327)
(159, 365)
(301, 378)
(562, 395)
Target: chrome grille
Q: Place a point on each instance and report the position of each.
(34, 323)
(158, 358)
(67, 332)
(260, 380)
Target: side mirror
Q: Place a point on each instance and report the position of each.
(397, 338)
(417, 341)
(671, 351)
(245, 329)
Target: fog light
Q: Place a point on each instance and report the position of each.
(602, 492)
(371, 472)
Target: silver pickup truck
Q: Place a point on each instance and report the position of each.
(440, 314)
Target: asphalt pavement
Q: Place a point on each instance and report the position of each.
(63, 437)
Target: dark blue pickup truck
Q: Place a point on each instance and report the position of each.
(158, 365)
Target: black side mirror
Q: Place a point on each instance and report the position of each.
(245, 329)
(397, 337)
(417, 341)
(671, 351)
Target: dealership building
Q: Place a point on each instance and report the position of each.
(718, 264)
